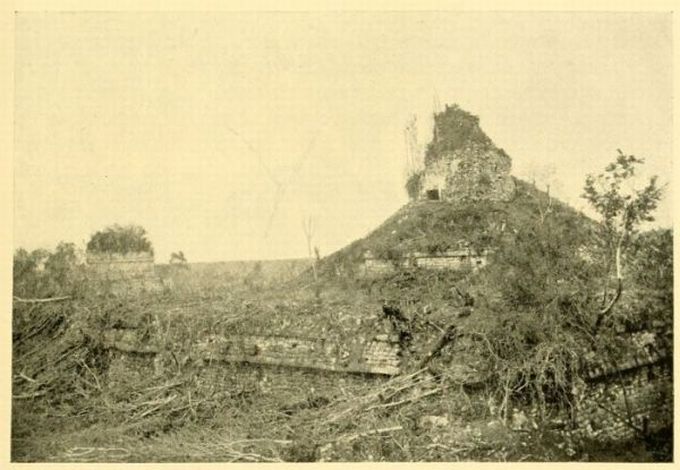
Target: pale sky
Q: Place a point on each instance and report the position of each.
(220, 132)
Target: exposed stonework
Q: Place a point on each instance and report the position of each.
(618, 400)
(380, 355)
(374, 357)
(472, 173)
(628, 395)
(122, 274)
(455, 259)
(622, 399)
(462, 163)
(626, 404)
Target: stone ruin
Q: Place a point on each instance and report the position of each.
(121, 274)
(462, 163)
(451, 259)
(618, 399)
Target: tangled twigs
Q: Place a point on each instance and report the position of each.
(407, 400)
(28, 396)
(326, 449)
(448, 336)
(387, 391)
(244, 450)
(95, 454)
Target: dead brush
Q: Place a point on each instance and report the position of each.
(52, 357)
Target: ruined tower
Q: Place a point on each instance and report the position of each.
(462, 163)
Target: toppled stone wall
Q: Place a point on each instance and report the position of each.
(123, 274)
(459, 259)
(619, 400)
(285, 385)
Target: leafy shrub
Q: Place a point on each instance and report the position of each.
(179, 260)
(42, 273)
(652, 259)
(121, 240)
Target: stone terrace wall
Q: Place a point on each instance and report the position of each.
(629, 396)
(623, 405)
(380, 355)
(282, 372)
(616, 402)
(373, 357)
(447, 260)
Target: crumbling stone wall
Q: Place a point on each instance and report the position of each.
(380, 355)
(375, 356)
(616, 402)
(620, 401)
(462, 163)
(435, 178)
(453, 260)
(122, 274)
(286, 387)
(472, 173)
(626, 405)
(627, 398)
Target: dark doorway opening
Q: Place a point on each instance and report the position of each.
(432, 194)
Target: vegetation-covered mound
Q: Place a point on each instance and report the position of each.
(547, 300)
(434, 226)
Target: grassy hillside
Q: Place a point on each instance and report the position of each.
(434, 226)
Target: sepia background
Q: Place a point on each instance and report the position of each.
(221, 132)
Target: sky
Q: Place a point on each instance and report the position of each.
(221, 133)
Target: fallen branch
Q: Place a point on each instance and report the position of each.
(372, 432)
(25, 377)
(28, 396)
(447, 337)
(385, 392)
(428, 322)
(283, 442)
(89, 454)
(40, 301)
(407, 400)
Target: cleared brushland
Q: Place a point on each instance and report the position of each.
(521, 336)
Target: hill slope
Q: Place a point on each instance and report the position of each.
(437, 226)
